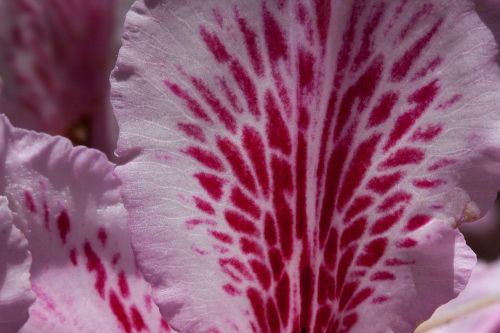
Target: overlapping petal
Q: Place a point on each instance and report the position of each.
(302, 165)
(476, 309)
(67, 203)
(15, 263)
(55, 57)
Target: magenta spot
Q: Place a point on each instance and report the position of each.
(232, 266)
(383, 276)
(254, 146)
(441, 164)
(215, 46)
(115, 259)
(426, 134)
(372, 252)
(63, 225)
(221, 236)
(192, 131)
(357, 169)
(119, 312)
(243, 202)
(95, 264)
(137, 319)
(406, 243)
(191, 224)
(403, 156)
(330, 252)
(277, 131)
(205, 157)
(428, 183)
(306, 73)
(258, 307)
(102, 236)
(73, 257)
(251, 46)
(46, 215)
(270, 233)
(231, 290)
(123, 284)
(353, 232)
(382, 111)
(211, 183)
(240, 169)
(417, 222)
(204, 205)
(283, 297)
(359, 298)
(240, 223)
(189, 101)
(275, 38)
(359, 205)
(273, 318)
(394, 199)
(386, 222)
(262, 273)
(248, 246)
(246, 86)
(30, 202)
(383, 184)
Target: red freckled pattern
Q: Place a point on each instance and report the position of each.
(276, 162)
(309, 157)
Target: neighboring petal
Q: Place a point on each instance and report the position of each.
(67, 202)
(299, 165)
(55, 57)
(476, 309)
(15, 262)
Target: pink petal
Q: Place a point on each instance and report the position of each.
(67, 202)
(55, 57)
(476, 309)
(299, 166)
(15, 262)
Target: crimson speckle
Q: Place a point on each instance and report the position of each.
(63, 225)
(30, 202)
(94, 264)
(119, 312)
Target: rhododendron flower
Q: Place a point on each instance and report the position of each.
(294, 166)
(300, 166)
(67, 204)
(476, 309)
(55, 58)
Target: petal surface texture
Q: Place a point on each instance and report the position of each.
(15, 263)
(299, 166)
(67, 203)
(55, 58)
(477, 308)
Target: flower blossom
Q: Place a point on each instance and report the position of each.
(292, 166)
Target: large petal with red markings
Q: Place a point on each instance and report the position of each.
(55, 58)
(301, 165)
(67, 203)
(15, 263)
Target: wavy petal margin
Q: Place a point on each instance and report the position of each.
(302, 165)
(66, 201)
(15, 263)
